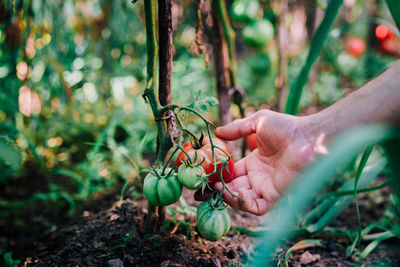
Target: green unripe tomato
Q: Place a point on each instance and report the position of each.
(162, 190)
(213, 222)
(191, 177)
(259, 63)
(258, 33)
(244, 11)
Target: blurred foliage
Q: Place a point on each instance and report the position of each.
(73, 122)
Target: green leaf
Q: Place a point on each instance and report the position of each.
(394, 8)
(202, 103)
(317, 42)
(9, 261)
(210, 101)
(10, 158)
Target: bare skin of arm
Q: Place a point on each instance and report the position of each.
(287, 143)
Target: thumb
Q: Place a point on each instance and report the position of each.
(239, 128)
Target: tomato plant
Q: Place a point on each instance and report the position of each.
(251, 141)
(200, 161)
(201, 152)
(213, 219)
(162, 189)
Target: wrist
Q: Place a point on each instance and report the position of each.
(319, 128)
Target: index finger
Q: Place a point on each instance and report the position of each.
(238, 128)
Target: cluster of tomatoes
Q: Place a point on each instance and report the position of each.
(198, 165)
(388, 42)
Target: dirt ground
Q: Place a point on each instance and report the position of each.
(93, 237)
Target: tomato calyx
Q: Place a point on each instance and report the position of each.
(160, 172)
(216, 202)
(188, 162)
(198, 143)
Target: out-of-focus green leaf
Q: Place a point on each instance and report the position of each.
(394, 8)
(10, 158)
(202, 103)
(317, 42)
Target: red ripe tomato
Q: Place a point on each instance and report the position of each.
(355, 46)
(204, 152)
(390, 46)
(383, 32)
(251, 141)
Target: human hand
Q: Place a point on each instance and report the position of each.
(285, 145)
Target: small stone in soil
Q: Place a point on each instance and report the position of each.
(129, 259)
(335, 253)
(115, 263)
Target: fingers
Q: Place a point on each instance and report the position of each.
(239, 168)
(239, 128)
(228, 198)
(252, 202)
(255, 205)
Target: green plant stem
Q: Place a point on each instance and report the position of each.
(183, 128)
(213, 147)
(180, 108)
(164, 142)
(178, 147)
(229, 34)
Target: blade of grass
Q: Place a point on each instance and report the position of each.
(371, 246)
(364, 159)
(66, 172)
(350, 192)
(330, 199)
(343, 202)
(313, 179)
(317, 42)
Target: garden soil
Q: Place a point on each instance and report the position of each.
(93, 236)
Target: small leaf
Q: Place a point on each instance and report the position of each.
(198, 95)
(211, 101)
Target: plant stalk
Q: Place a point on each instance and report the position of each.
(221, 62)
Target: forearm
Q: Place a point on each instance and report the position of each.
(376, 102)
